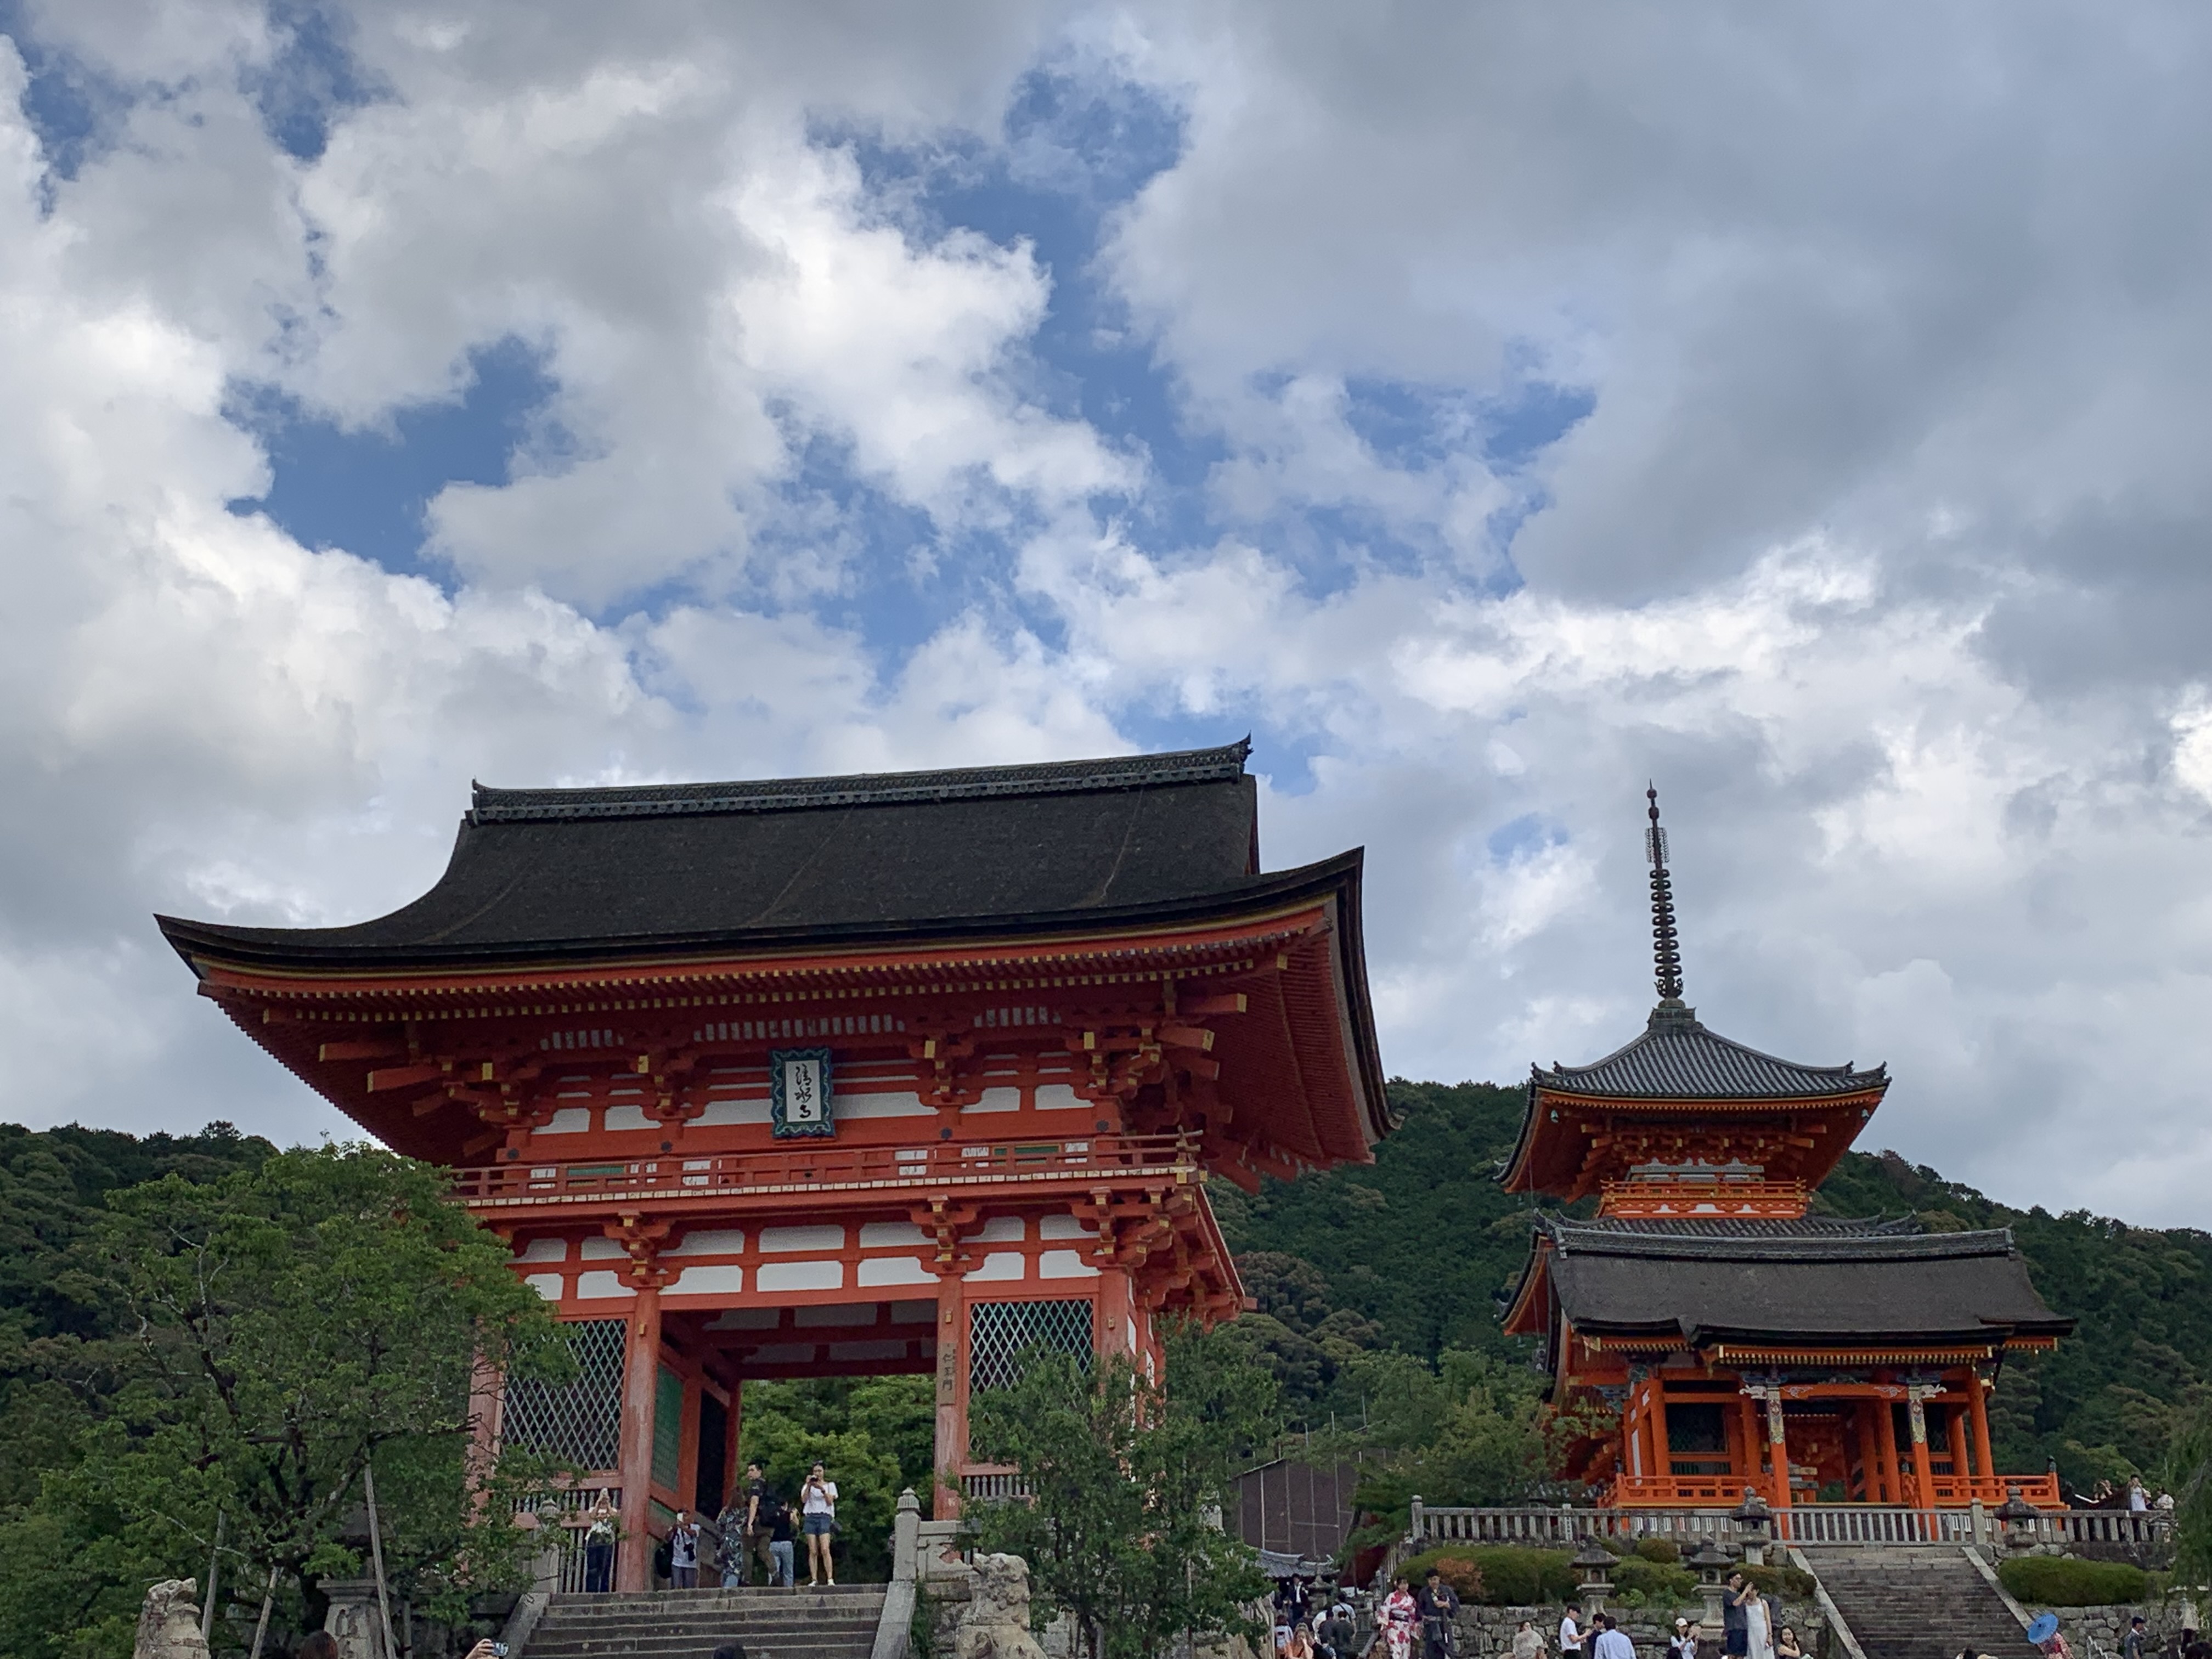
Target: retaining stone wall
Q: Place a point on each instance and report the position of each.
(2107, 1626)
(1489, 1629)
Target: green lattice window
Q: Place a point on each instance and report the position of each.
(999, 1332)
(579, 1422)
(667, 1429)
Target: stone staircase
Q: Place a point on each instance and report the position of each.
(1919, 1602)
(836, 1623)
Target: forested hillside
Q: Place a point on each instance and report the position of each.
(53, 1323)
(1410, 1256)
(1416, 1252)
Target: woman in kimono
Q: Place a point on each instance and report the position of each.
(1400, 1617)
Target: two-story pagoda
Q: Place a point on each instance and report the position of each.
(838, 1076)
(1725, 1338)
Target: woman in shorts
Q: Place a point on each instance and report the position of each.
(817, 1509)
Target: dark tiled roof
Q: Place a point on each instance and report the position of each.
(1733, 1226)
(653, 801)
(1677, 1057)
(1825, 1284)
(878, 856)
(1810, 1238)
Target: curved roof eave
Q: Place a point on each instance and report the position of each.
(281, 948)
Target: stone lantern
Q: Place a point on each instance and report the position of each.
(2021, 1519)
(1710, 1562)
(1592, 1564)
(1755, 1525)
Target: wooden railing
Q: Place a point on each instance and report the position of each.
(825, 1167)
(1703, 1491)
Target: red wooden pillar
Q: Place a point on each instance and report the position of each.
(1777, 1448)
(687, 1453)
(733, 1471)
(486, 1413)
(1954, 1427)
(1662, 1454)
(640, 1381)
(1924, 1476)
(1978, 1408)
(1749, 1437)
(1113, 1327)
(951, 1452)
(1893, 1479)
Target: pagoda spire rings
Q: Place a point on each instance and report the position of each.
(1666, 944)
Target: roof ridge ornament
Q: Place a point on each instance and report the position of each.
(1666, 944)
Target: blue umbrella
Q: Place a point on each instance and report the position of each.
(2045, 1628)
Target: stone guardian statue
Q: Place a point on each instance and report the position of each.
(169, 1623)
(996, 1624)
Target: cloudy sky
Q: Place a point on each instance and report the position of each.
(1489, 407)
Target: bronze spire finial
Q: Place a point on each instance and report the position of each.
(1665, 947)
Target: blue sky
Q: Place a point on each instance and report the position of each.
(1487, 411)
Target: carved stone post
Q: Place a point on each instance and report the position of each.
(351, 1620)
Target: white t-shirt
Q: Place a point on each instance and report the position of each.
(1571, 1635)
(821, 1497)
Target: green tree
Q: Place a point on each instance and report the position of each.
(1121, 1528)
(284, 1328)
(875, 1435)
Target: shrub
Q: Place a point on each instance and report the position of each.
(1460, 1572)
(1665, 1550)
(2059, 1581)
(1643, 1581)
(1507, 1576)
(1778, 1582)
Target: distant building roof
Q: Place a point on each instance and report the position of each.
(1676, 1057)
(1676, 1067)
(1815, 1280)
(550, 871)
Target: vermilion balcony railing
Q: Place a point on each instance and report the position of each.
(1698, 1491)
(827, 1167)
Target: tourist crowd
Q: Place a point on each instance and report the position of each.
(1420, 1623)
(757, 1527)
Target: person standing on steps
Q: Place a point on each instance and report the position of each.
(1735, 1624)
(1571, 1637)
(731, 1553)
(684, 1552)
(777, 1518)
(1757, 1623)
(599, 1535)
(818, 1509)
(1611, 1642)
(1526, 1643)
(1439, 1606)
(757, 1526)
(2136, 1643)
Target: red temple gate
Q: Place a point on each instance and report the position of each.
(836, 1076)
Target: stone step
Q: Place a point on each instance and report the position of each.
(1924, 1604)
(826, 1622)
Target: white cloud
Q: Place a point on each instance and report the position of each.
(1879, 547)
